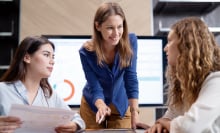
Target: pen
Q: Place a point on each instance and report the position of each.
(101, 119)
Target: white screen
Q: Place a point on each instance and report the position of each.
(150, 71)
(68, 79)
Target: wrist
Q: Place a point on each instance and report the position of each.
(99, 103)
(133, 109)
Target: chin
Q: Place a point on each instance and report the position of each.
(46, 76)
(114, 44)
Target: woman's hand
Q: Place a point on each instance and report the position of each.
(156, 128)
(8, 124)
(102, 112)
(134, 112)
(142, 126)
(134, 119)
(161, 126)
(71, 127)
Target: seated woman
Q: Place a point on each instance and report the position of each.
(26, 82)
(193, 76)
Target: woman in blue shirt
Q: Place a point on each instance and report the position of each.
(26, 82)
(110, 96)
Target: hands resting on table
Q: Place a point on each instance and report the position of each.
(161, 126)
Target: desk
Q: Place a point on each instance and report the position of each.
(112, 131)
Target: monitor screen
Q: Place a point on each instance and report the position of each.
(151, 63)
(68, 79)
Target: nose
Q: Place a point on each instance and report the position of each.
(165, 48)
(52, 62)
(115, 31)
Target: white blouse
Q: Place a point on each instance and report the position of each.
(204, 115)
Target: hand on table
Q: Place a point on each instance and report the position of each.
(71, 127)
(162, 125)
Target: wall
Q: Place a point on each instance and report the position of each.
(74, 17)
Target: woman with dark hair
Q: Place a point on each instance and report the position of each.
(193, 77)
(110, 96)
(26, 82)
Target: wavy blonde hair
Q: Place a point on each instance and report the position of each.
(199, 55)
(124, 48)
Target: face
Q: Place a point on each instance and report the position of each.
(171, 48)
(111, 30)
(41, 62)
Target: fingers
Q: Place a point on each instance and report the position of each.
(9, 124)
(142, 126)
(8, 129)
(157, 128)
(100, 117)
(10, 119)
(67, 128)
(108, 111)
(165, 131)
(101, 113)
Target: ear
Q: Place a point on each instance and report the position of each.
(27, 58)
(97, 26)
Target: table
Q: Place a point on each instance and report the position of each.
(112, 131)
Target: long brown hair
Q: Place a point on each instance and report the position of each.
(199, 55)
(17, 69)
(124, 48)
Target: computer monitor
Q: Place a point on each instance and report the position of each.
(68, 78)
(151, 63)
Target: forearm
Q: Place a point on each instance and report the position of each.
(133, 105)
(79, 121)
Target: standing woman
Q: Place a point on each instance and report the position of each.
(193, 76)
(110, 96)
(26, 82)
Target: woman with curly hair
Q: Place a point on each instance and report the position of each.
(193, 78)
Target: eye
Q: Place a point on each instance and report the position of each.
(109, 28)
(120, 26)
(46, 54)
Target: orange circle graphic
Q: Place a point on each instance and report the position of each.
(72, 89)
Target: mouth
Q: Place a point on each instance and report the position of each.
(114, 38)
(50, 69)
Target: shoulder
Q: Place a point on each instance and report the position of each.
(6, 88)
(87, 50)
(133, 39)
(132, 36)
(87, 46)
(4, 85)
(213, 77)
(210, 88)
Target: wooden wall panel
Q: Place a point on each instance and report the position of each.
(75, 17)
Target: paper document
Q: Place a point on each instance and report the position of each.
(40, 119)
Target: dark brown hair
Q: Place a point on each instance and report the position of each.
(17, 69)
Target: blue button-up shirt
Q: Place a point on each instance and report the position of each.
(114, 85)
